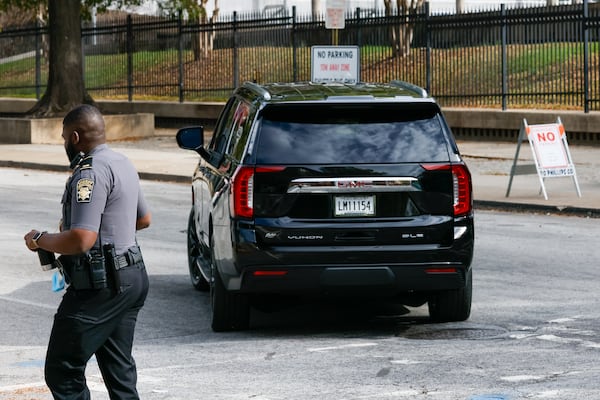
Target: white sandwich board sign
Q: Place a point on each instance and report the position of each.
(550, 151)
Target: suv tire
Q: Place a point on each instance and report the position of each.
(452, 305)
(230, 311)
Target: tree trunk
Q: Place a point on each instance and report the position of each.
(315, 8)
(402, 34)
(202, 42)
(66, 86)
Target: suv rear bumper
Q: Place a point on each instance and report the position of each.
(356, 279)
(389, 269)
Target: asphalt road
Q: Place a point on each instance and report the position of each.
(534, 332)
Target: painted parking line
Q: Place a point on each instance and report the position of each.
(28, 303)
(342, 347)
(22, 387)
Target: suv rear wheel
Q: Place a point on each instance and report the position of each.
(452, 305)
(230, 311)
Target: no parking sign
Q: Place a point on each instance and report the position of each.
(335, 64)
(550, 150)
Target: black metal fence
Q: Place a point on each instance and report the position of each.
(543, 57)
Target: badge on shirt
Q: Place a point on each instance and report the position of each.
(84, 190)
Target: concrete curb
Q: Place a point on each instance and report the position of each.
(34, 166)
(149, 176)
(536, 208)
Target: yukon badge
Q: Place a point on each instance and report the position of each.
(305, 237)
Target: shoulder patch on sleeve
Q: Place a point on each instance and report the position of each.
(85, 186)
(86, 163)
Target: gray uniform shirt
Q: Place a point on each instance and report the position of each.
(103, 195)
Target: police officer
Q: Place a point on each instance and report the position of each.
(103, 206)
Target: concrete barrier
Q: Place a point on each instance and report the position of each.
(468, 124)
(498, 125)
(49, 130)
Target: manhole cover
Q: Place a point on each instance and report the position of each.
(430, 332)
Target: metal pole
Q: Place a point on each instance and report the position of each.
(428, 49)
(129, 58)
(358, 30)
(504, 57)
(38, 61)
(294, 48)
(180, 56)
(236, 67)
(586, 58)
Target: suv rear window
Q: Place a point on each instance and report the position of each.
(351, 134)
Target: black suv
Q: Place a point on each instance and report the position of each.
(330, 189)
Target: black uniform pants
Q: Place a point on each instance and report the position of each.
(96, 322)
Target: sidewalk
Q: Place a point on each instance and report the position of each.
(490, 164)
(159, 158)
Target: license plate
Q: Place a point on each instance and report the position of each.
(354, 206)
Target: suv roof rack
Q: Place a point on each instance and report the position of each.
(258, 89)
(409, 86)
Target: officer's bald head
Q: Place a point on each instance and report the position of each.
(88, 122)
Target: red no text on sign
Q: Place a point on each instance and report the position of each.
(548, 145)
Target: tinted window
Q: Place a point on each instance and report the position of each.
(223, 128)
(240, 130)
(350, 134)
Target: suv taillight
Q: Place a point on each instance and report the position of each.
(461, 186)
(461, 182)
(242, 189)
(242, 185)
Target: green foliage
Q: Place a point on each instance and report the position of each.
(86, 5)
(5, 5)
(17, 75)
(111, 70)
(170, 7)
(529, 59)
(192, 9)
(102, 5)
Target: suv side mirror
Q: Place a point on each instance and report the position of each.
(192, 138)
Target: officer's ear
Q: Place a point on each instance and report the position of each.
(76, 137)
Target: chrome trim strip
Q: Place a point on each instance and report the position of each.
(354, 185)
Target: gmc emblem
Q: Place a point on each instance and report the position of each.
(351, 184)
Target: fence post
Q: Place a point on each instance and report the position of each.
(180, 83)
(236, 66)
(294, 47)
(358, 30)
(129, 58)
(586, 58)
(504, 39)
(38, 61)
(428, 49)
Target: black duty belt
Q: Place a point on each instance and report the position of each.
(123, 262)
(128, 259)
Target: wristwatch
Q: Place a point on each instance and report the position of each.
(37, 237)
